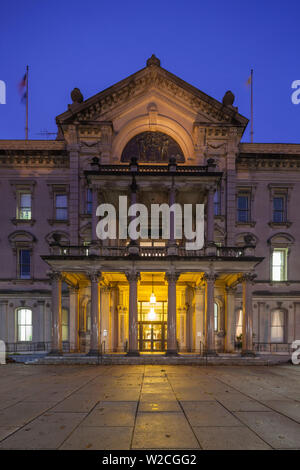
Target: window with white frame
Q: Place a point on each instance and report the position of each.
(277, 326)
(279, 264)
(61, 206)
(24, 205)
(24, 322)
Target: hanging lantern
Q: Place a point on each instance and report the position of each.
(152, 296)
(152, 314)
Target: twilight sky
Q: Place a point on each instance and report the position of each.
(92, 44)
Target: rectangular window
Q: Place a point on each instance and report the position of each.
(243, 208)
(65, 324)
(277, 326)
(279, 264)
(24, 324)
(24, 264)
(89, 200)
(61, 207)
(279, 212)
(24, 206)
(217, 202)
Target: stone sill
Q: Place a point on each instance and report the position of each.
(246, 224)
(280, 224)
(58, 221)
(23, 221)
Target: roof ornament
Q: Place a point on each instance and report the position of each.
(228, 98)
(76, 96)
(153, 60)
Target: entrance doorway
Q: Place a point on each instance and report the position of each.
(152, 336)
(152, 326)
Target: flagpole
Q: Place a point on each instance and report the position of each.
(251, 132)
(26, 128)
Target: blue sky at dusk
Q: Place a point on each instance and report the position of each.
(93, 44)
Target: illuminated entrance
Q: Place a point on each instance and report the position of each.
(152, 326)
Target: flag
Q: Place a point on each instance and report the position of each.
(22, 88)
(248, 82)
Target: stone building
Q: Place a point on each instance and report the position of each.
(156, 139)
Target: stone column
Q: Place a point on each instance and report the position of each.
(133, 278)
(74, 318)
(199, 317)
(209, 322)
(171, 330)
(95, 278)
(230, 319)
(114, 318)
(56, 278)
(210, 214)
(247, 346)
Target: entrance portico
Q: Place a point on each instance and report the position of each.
(183, 316)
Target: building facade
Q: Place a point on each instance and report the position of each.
(155, 139)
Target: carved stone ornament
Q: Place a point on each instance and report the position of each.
(172, 277)
(228, 98)
(133, 276)
(153, 60)
(76, 96)
(152, 147)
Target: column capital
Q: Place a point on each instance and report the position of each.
(230, 290)
(55, 276)
(94, 276)
(248, 277)
(210, 276)
(74, 289)
(133, 276)
(172, 276)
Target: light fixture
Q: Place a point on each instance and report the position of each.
(152, 314)
(152, 296)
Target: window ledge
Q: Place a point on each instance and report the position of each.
(251, 223)
(23, 221)
(58, 221)
(85, 216)
(280, 224)
(220, 217)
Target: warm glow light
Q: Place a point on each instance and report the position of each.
(152, 298)
(152, 314)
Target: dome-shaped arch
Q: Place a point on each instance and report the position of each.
(163, 124)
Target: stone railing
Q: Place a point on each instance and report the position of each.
(149, 252)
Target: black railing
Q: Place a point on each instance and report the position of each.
(272, 347)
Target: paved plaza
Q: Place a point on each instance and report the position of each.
(149, 407)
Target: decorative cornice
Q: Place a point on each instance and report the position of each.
(132, 276)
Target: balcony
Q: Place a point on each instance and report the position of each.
(95, 249)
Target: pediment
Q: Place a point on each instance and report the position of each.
(152, 78)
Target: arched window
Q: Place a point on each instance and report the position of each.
(24, 322)
(216, 317)
(277, 326)
(238, 322)
(65, 324)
